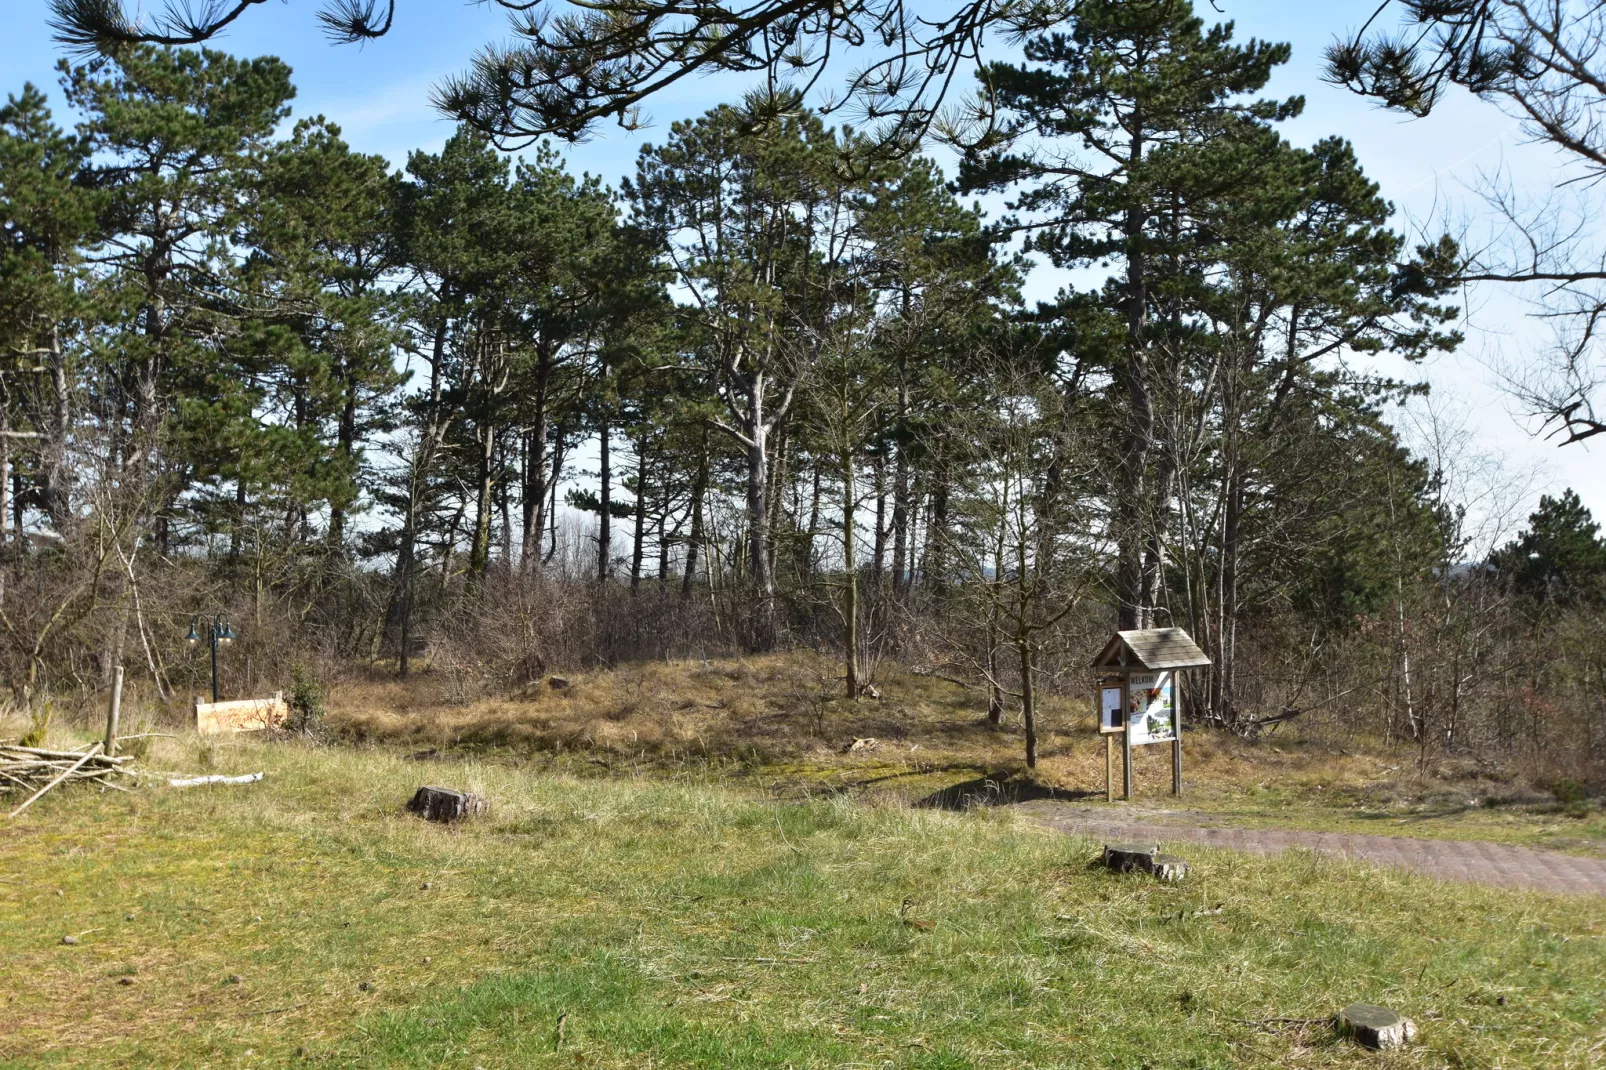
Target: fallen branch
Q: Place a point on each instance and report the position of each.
(1288, 714)
(943, 677)
(196, 781)
(36, 796)
(273, 1010)
(761, 961)
(1267, 1022)
(35, 770)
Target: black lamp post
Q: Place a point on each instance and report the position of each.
(218, 631)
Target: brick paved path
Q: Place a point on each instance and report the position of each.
(1453, 860)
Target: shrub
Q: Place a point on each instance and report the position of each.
(307, 714)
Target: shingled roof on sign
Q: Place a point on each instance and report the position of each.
(1151, 648)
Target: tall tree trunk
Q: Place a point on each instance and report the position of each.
(479, 552)
(780, 476)
(810, 561)
(1028, 695)
(5, 483)
(55, 475)
(346, 450)
(901, 508)
(503, 505)
(878, 558)
(417, 488)
(666, 537)
(237, 528)
(535, 488)
(937, 538)
(605, 512)
(559, 448)
(638, 538)
(694, 540)
(850, 579)
(16, 512)
(1131, 505)
(1225, 700)
(758, 516)
(995, 637)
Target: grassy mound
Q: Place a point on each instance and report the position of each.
(780, 720)
(306, 920)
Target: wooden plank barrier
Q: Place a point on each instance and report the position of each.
(242, 715)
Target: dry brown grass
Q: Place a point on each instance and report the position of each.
(781, 717)
(776, 708)
(779, 723)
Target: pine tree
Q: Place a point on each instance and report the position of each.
(45, 220)
(1134, 117)
(1561, 558)
(320, 232)
(752, 213)
(171, 136)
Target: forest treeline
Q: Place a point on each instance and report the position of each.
(777, 387)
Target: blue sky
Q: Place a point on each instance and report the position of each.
(379, 94)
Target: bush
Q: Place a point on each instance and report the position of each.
(1571, 797)
(307, 714)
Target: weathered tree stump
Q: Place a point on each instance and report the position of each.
(1144, 858)
(445, 805)
(1375, 1027)
(1168, 868)
(1126, 857)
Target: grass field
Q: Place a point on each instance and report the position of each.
(634, 922)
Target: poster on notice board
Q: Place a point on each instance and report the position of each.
(1151, 709)
(1110, 721)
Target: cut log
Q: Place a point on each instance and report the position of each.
(445, 805)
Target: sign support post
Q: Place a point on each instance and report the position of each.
(1110, 706)
(1126, 758)
(1176, 739)
(1109, 769)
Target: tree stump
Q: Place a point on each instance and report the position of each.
(1144, 858)
(1126, 857)
(445, 805)
(1375, 1027)
(1168, 868)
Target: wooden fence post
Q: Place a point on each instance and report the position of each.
(114, 709)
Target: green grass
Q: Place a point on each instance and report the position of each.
(681, 925)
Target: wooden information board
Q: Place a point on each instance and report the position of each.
(1140, 699)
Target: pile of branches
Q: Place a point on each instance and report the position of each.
(34, 771)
